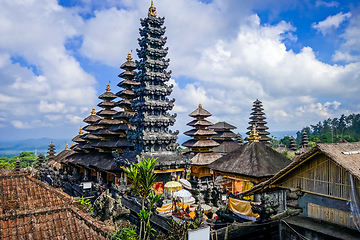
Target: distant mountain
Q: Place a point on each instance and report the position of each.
(11, 148)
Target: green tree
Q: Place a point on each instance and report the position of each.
(142, 179)
(7, 165)
(286, 141)
(127, 232)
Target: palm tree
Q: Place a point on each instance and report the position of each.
(142, 178)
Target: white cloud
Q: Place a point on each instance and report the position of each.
(74, 119)
(46, 107)
(27, 125)
(325, 110)
(230, 75)
(54, 117)
(327, 4)
(34, 33)
(19, 124)
(330, 23)
(349, 50)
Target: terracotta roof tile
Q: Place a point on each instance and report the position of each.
(42, 213)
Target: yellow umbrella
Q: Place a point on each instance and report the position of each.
(173, 186)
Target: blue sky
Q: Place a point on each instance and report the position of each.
(300, 58)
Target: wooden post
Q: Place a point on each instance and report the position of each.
(280, 237)
(226, 232)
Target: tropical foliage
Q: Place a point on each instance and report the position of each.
(345, 128)
(124, 232)
(142, 179)
(27, 159)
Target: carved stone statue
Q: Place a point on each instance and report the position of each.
(265, 209)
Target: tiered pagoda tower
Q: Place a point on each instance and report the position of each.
(89, 137)
(80, 142)
(151, 103)
(152, 137)
(126, 96)
(304, 140)
(51, 152)
(224, 136)
(292, 144)
(105, 122)
(201, 145)
(258, 118)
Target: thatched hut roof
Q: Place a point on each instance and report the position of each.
(253, 159)
(226, 146)
(346, 155)
(205, 158)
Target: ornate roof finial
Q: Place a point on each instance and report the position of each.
(254, 136)
(108, 87)
(152, 10)
(129, 58)
(67, 147)
(200, 106)
(80, 132)
(92, 111)
(72, 144)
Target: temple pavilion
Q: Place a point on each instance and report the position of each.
(201, 144)
(224, 136)
(250, 164)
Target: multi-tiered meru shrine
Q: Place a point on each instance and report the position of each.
(115, 140)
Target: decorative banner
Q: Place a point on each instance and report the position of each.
(159, 187)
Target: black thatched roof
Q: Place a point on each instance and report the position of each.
(222, 125)
(226, 146)
(62, 155)
(107, 95)
(224, 134)
(90, 128)
(200, 143)
(91, 119)
(200, 112)
(205, 158)
(196, 122)
(200, 132)
(253, 159)
(78, 139)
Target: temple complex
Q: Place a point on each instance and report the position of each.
(258, 118)
(216, 167)
(224, 136)
(201, 144)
